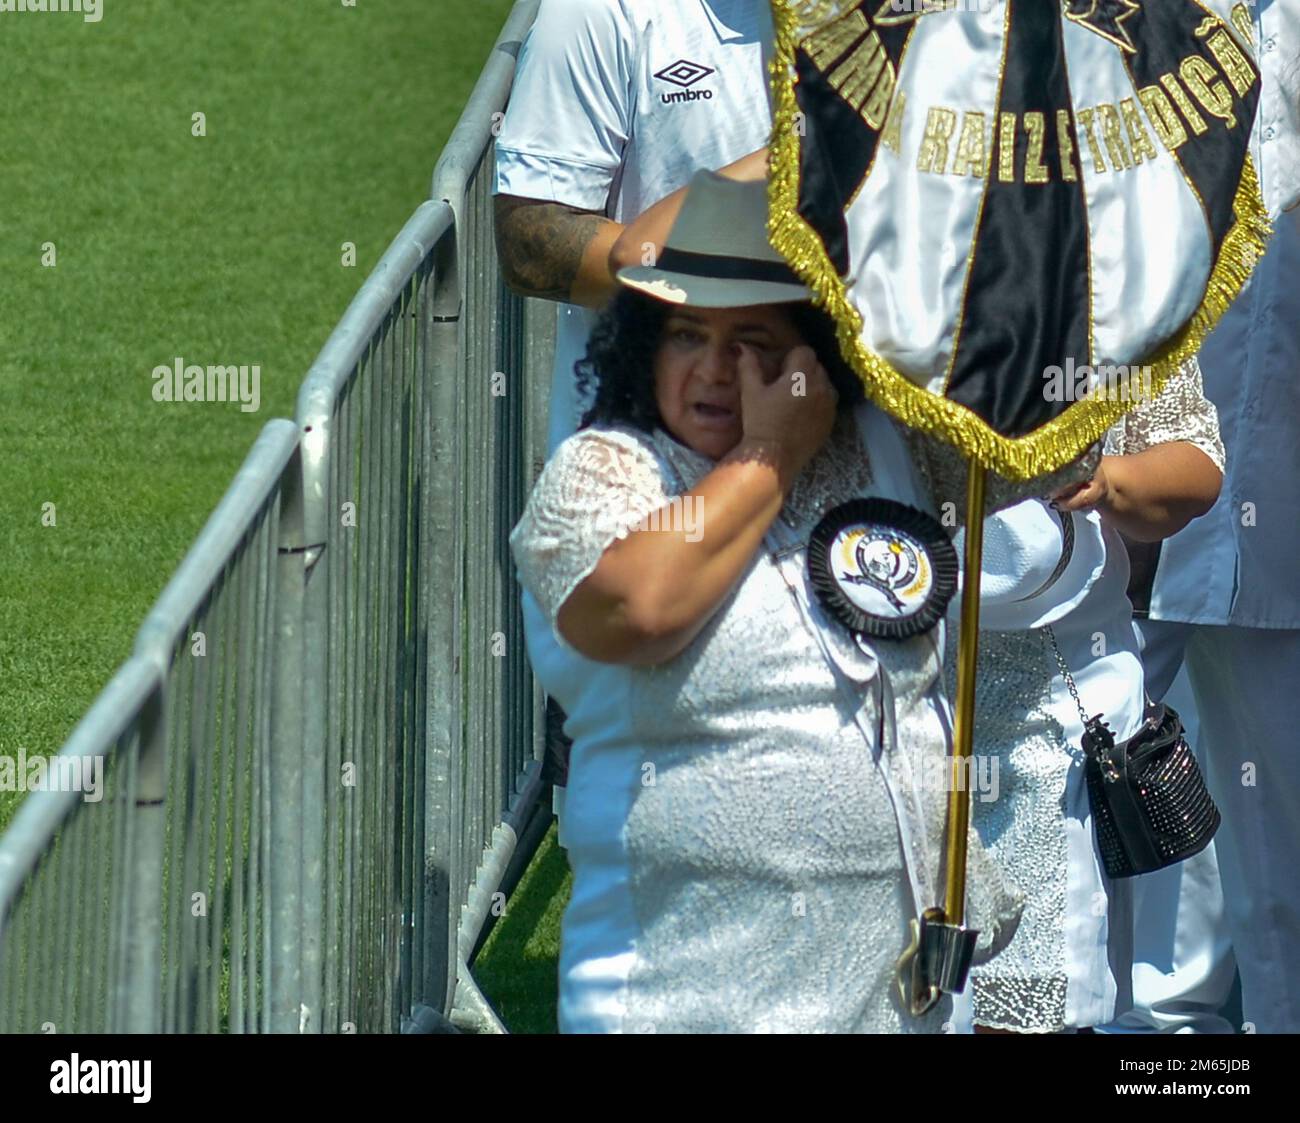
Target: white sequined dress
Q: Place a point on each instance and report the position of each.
(736, 855)
(1069, 963)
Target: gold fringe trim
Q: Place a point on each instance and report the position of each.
(1065, 437)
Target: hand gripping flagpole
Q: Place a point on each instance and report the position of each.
(939, 957)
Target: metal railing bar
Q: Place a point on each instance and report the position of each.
(42, 813)
(254, 484)
(231, 770)
(348, 343)
(473, 134)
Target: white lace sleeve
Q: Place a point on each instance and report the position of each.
(1181, 412)
(597, 486)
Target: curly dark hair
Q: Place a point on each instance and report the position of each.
(621, 352)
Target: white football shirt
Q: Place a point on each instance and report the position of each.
(617, 103)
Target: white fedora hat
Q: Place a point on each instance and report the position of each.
(717, 254)
(1038, 564)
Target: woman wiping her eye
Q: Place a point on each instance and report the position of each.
(749, 843)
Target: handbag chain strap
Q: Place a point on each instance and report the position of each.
(1098, 740)
(1065, 674)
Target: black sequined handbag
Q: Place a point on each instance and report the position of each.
(1150, 805)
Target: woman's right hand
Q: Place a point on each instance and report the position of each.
(651, 594)
(792, 413)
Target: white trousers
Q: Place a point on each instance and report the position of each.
(1246, 686)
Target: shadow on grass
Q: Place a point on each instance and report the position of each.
(517, 967)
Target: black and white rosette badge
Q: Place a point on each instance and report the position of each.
(882, 569)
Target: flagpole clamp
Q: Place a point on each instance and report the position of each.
(936, 962)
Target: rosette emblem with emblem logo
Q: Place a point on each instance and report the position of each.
(882, 569)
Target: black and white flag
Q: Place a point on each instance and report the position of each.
(986, 191)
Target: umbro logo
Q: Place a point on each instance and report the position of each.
(685, 74)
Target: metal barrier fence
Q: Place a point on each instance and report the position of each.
(67, 956)
(222, 637)
(158, 905)
(496, 408)
(320, 758)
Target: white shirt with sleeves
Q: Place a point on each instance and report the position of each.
(1238, 565)
(617, 103)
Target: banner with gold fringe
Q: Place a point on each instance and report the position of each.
(1023, 214)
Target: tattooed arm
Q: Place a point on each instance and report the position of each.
(554, 251)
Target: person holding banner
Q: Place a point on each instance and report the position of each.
(1057, 635)
(748, 819)
(981, 194)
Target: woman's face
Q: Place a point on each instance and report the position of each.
(697, 383)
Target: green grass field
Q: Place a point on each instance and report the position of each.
(323, 124)
(516, 970)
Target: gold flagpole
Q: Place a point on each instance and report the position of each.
(964, 719)
(937, 959)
